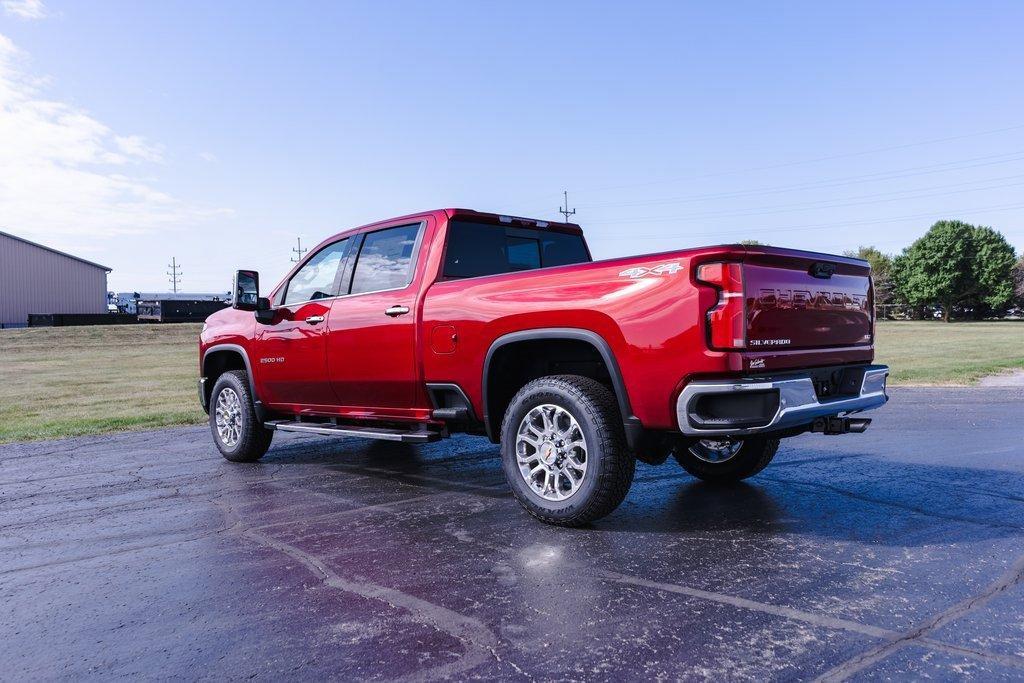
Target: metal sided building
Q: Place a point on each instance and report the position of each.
(38, 279)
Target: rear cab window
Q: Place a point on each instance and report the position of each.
(476, 249)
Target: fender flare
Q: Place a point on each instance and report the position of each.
(630, 422)
(261, 412)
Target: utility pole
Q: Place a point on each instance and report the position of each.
(564, 210)
(299, 251)
(174, 276)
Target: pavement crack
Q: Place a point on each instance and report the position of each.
(1010, 578)
(985, 655)
(479, 641)
(890, 503)
(1013, 576)
(122, 551)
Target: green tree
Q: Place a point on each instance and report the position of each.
(992, 267)
(1018, 282)
(750, 243)
(936, 269)
(881, 271)
(956, 264)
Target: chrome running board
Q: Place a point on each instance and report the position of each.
(379, 433)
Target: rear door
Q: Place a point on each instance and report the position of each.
(291, 352)
(803, 300)
(371, 344)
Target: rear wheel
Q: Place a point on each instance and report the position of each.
(723, 461)
(239, 435)
(564, 451)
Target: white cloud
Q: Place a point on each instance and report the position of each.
(208, 156)
(26, 9)
(136, 146)
(62, 172)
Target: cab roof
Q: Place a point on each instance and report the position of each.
(512, 220)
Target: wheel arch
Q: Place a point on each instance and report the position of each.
(492, 415)
(221, 358)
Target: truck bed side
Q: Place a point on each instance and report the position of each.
(648, 309)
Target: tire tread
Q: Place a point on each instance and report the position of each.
(255, 438)
(618, 468)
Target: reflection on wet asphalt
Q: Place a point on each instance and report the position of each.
(895, 553)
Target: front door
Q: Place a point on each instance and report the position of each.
(291, 352)
(371, 347)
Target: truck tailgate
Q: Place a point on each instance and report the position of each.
(804, 300)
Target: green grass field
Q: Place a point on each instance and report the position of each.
(68, 381)
(949, 353)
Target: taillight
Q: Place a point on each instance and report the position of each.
(871, 305)
(727, 321)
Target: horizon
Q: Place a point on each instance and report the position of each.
(217, 134)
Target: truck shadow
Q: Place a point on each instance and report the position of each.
(869, 499)
(852, 496)
(475, 470)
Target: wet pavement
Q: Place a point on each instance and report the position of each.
(891, 554)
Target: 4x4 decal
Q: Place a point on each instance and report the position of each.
(663, 269)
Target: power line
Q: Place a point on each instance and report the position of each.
(564, 210)
(800, 162)
(299, 251)
(822, 226)
(832, 157)
(174, 276)
(930, 169)
(839, 202)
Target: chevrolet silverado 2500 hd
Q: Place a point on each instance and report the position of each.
(449, 321)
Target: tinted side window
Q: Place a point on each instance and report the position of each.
(315, 279)
(385, 260)
(476, 249)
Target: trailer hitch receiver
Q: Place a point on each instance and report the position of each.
(840, 425)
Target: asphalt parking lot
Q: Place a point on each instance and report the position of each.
(892, 554)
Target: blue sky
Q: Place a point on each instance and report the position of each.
(218, 132)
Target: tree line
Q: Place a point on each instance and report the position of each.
(960, 270)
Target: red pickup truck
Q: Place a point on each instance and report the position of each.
(417, 327)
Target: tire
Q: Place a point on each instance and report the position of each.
(753, 456)
(253, 439)
(604, 481)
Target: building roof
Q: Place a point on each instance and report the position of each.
(55, 251)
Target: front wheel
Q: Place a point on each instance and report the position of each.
(723, 461)
(564, 451)
(239, 435)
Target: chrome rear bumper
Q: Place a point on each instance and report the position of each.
(797, 402)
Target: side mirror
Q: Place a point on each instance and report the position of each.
(245, 294)
(264, 313)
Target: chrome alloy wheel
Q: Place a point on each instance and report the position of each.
(229, 417)
(716, 451)
(551, 452)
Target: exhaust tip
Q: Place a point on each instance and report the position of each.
(859, 425)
